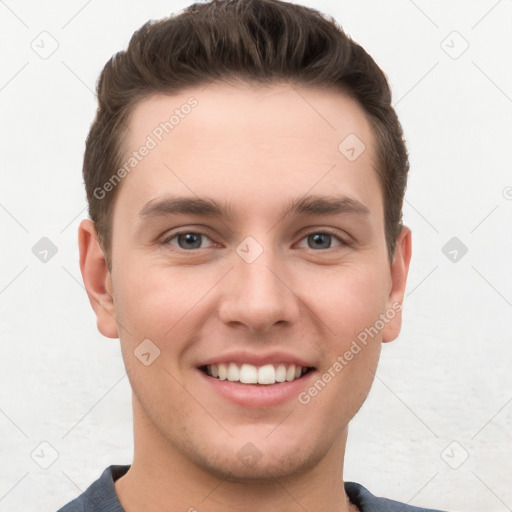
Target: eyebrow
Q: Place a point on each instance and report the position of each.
(307, 205)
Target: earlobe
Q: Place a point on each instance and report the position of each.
(399, 271)
(97, 279)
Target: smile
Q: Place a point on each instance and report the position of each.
(246, 373)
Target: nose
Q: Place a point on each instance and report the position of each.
(259, 294)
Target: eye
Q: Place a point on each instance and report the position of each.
(186, 240)
(322, 240)
(192, 240)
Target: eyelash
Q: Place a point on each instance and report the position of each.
(324, 231)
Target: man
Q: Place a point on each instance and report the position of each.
(245, 174)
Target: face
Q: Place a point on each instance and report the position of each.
(248, 244)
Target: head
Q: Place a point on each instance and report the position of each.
(245, 174)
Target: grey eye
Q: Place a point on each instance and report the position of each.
(319, 240)
(189, 240)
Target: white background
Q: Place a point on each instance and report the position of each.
(446, 380)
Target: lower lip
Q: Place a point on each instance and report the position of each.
(258, 395)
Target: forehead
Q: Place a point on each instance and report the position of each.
(250, 142)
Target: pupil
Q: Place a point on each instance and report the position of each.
(320, 240)
(192, 240)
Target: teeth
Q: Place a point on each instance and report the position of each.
(250, 374)
(233, 372)
(223, 371)
(266, 374)
(281, 373)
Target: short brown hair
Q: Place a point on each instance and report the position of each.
(257, 41)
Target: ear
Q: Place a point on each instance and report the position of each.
(399, 271)
(97, 279)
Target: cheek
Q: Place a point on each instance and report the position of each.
(157, 302)
(153, 301)
(347, 299)
(349, 302)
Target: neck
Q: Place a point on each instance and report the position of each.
(162, 478)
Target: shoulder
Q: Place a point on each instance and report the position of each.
(367, 502)
(100, 495)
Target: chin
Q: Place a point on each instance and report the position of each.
(258, 460)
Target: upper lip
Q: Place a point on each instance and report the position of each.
(257, 359)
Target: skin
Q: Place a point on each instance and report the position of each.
(257, 148)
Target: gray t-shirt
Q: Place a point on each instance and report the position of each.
(101, 496)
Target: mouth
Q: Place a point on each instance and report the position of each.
(254, 380)
(265, 375)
